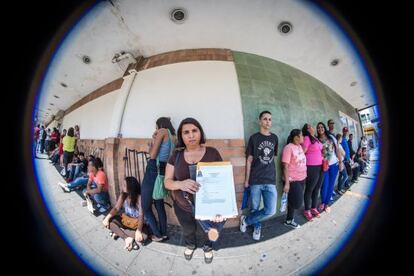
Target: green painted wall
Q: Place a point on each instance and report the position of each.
(292, 96)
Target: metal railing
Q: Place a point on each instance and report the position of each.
(135, 163)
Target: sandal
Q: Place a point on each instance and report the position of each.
(113, 235)
(135, 246)
(188, 253)
(208, 256)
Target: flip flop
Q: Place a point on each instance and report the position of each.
(135, 246)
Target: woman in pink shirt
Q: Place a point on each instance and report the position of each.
(294, 171)
(313, 151)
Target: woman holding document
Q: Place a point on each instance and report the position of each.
(189, 151)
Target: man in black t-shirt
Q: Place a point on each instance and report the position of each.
(261, 174)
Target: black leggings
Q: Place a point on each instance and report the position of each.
(295, 197)
(190, 228)
(313, 185)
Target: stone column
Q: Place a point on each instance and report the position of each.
(119, 108)
(111, 167)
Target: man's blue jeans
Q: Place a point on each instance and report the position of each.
(78, 182)
(147, 189)
(269, 194)
(75, 171)
(101, 198)
(342, 179)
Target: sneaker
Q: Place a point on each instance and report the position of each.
(321, 207)
(256, 233)
(315, 213)
(64, 187)
(243, 225)
(307, 214)
(292, 223)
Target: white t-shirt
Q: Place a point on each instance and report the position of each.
(341, 149)
(333, 159)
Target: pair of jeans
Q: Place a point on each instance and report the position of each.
(355, 174)
(101, 198)
(295, 197)
(55, 158)
(329, 178)
(342, 179)
(313, 185)
(147, 189)
(189, 225)
(269, 194)
(75, 171)
(348, 168)
(67, 158)
(78, 182)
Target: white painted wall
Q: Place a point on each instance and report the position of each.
(53, 124)
(93, 118)
(205, 90)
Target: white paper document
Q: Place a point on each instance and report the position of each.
(216, 195)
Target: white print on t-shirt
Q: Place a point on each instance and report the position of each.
(266, 147)
(300, 158)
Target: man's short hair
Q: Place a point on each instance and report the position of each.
(263, 113)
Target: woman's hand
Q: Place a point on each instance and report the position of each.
(189, 186)
(218, 218)
(128, 243)
(286, 187)
(105, 222)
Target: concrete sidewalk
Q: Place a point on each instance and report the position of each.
(282, 251)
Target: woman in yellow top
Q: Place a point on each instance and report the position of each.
(68, 148)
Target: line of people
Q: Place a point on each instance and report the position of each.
(311, 161)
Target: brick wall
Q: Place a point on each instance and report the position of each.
(230, 149)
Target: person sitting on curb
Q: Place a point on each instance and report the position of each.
(126, 219)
